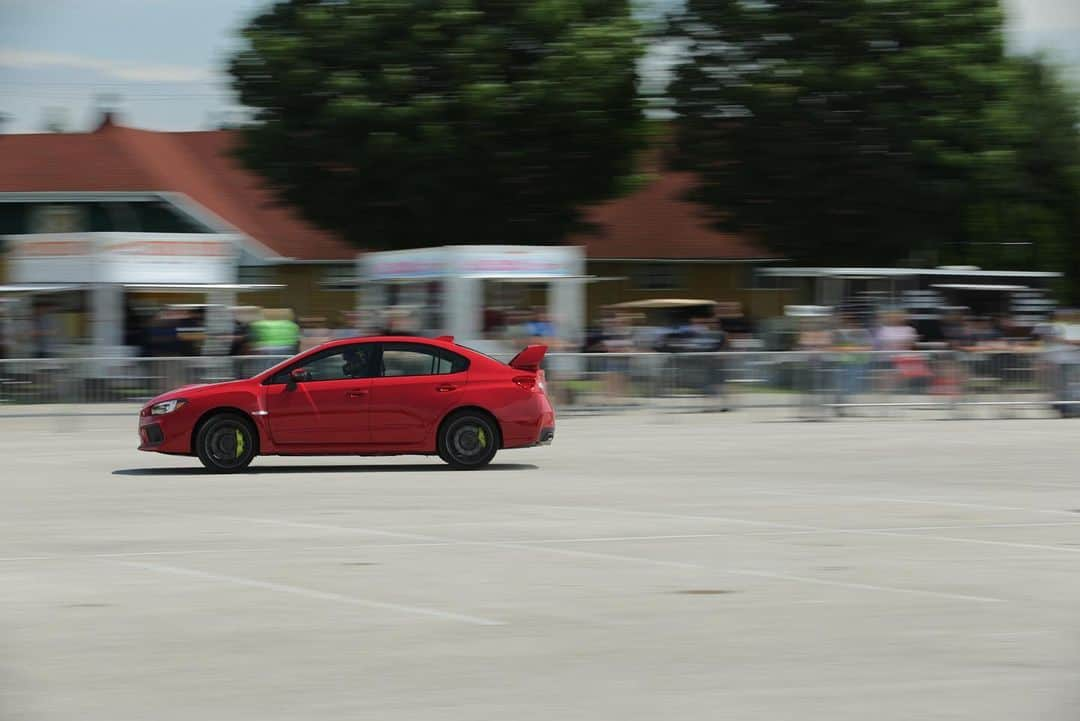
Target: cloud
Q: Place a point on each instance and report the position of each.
(1045, 15)
(31, 59)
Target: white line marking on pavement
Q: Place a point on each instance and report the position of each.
(529, 545)
(683, 516)
(323, 527)
(866, 586)
(822, 530)
(437, 540)
(180, 552)
(524, 545)
(310, 593)
(977, 541)
(616, 539)
(510, 545)
(537, 545)
(533, 544)
(961, 526)
(760, 534)
(861, 687)
(912, 501)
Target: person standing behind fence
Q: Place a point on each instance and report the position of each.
(349, 326)
(541, 330)
(815, 338)
(896, 335)
(617, 336)
(243, 340)
(165, 334)
(851, 345)
(952, 371)
(700, 336)
(45, 331)
(276, 333)
(243, 337)
(314, 332)
(713, 339)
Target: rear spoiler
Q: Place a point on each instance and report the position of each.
(529, 359)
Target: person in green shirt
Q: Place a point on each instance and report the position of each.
(276, 333)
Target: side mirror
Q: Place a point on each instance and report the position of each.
(298, 375)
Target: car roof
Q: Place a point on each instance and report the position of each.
(437, 342)
(441, 342)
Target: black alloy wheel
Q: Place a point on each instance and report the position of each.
(468, 439)
(226, 443)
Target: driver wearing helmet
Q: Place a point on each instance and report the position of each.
(356, 363)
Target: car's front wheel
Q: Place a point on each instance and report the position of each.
(226, 443)
(468, 439)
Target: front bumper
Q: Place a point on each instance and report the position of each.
(170, 433)
(151, 435)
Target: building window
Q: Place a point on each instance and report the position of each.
(339, 275)
(256, 274)
(162, 217)
(658, 276)
(14, 218)
(58, 219)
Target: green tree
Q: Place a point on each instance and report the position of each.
(402, 123)
(873, 131)
(1036, 222)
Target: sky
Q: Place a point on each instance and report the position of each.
(161, 61)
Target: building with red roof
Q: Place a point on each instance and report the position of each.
(176, 213)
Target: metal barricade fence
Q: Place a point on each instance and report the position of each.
(811, 384)
(818, 384)
(116, 380)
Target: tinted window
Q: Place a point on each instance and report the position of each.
(335, 364)
(410, 359)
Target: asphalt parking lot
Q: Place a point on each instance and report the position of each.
(692, 566)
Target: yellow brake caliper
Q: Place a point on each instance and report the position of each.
(239, 443)
(481, 437)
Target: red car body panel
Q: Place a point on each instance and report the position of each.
(361, 416)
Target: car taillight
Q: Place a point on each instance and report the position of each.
(526, 382)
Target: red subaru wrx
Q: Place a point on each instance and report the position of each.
(388, 395)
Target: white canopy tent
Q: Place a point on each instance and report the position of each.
(461, 272)
(106, 265)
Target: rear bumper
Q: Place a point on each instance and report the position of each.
(528, 425)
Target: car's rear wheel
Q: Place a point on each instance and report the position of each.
(226, 443)
(468, 439)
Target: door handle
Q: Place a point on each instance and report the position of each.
(356, 394)
(445, 388)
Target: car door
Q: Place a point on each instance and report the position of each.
(416, 384)
(331, 407)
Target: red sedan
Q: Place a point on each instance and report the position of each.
(360, 396)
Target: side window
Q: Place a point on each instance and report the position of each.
(453, 363)
(335, 364)
(410, 359)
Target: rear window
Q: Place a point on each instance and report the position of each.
(505, 359)
(414, 359)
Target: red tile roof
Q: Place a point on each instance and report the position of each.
(196, 164)
(658, 222)
(654, 222)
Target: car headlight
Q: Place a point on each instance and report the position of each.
(160, 409)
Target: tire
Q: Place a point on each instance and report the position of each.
(468, 439)
(226, 443)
